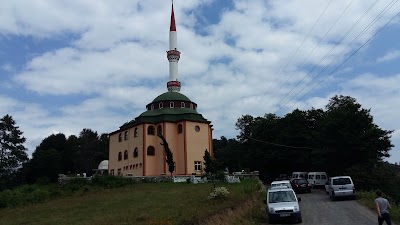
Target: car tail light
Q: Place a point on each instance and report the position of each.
(308, 184)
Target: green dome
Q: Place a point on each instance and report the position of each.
(170, 95)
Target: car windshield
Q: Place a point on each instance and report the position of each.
(301, 182)
(281, 196)
(341, 181)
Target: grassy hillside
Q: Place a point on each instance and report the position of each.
(143, 203)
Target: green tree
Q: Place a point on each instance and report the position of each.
(12, 150)
(87, 149)
(169, 156)
(350, 137)
(210, 166)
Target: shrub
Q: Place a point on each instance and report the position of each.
(219, 193)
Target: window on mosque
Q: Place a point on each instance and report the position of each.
(151, 150)
(126, 135)
(160, 105)
(180, 129)
(159, 129)
(119, 156)
(151, 130)
(191, 105)
(182, 105)
(152, 106)
(197, 166)
(136, 132)
(120, 137)
(171, 104)
(112, 172)
(136, 153)
(126, 154)
(119, 172)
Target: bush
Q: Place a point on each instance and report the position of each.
(219, 193)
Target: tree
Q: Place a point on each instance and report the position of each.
(169, 156)
(350, 137)
(86, 151)
(12, 151)
(210, 166)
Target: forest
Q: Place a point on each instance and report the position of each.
(341, 139)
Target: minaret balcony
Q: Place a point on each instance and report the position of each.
(174, 86)
(173, 55)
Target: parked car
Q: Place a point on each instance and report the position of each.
(341, 186)
(282, 204)
(301, 185)
(296, 175)
(317, 179)
(279, 183)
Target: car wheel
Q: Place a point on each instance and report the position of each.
(299, 220)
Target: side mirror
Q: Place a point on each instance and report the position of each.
(299, 199)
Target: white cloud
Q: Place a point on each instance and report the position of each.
(392, 55)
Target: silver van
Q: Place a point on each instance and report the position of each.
(341, 186)
(283, 204)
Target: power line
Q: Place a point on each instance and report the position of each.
(348, 46)
(350, 56)
(286, 146)
(337, 19)
(293, 55)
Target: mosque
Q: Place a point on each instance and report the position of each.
(135, 148)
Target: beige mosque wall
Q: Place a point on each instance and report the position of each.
(197, 143)
(154, 164)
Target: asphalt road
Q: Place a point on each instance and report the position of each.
(317, 209)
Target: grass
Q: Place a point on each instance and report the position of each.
(367, 198)
(142, 203)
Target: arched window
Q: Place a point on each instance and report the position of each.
(171, 104)
(152, 106)
(120, 137)
(182, 105)
(119, 156)
(150, 130)
(191, 105)
(180, 128)
(160, 105)
(126, 154)
(136, 132)
(151, 150)
(136, 153)
(126, 135)
(159, 129)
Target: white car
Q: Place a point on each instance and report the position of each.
(340, 186)
(282, 204)
(280, 183)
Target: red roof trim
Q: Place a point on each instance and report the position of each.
(172, 26)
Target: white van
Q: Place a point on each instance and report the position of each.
(296, 175)
(317, 179)
(342, 186)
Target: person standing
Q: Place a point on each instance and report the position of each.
(382, 207)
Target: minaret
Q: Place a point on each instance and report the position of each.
(173, 56)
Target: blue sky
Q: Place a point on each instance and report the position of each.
(69, 65)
